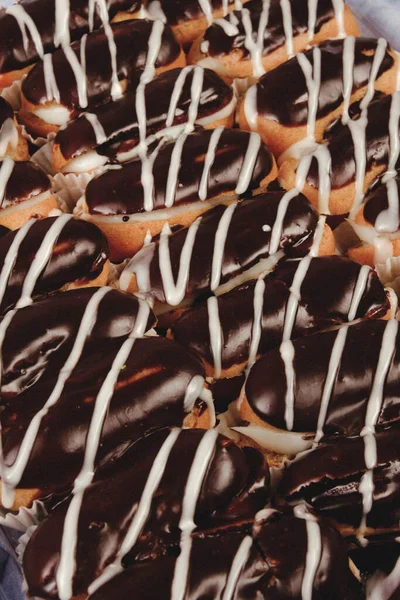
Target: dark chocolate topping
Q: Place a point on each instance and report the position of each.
(26, 181)
(328, 478)
(79, 254)
(266, 386)
(149, 395)
(41, 336)
(6, 111)
(119, 119)
(232, 490)
(274, 36)
(181, 11)
(274, 568)
(131, 40)
(341, 146)
(13, 55)
(325, 299)
(247, 241)
(282, 93)
(120, 191)
(377, 202)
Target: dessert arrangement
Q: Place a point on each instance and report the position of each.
(199, 267)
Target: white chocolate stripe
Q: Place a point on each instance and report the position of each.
(238, 564)
(215, 332)
(62, 14)
(6, 169)
(209, 161)
(12, 256)
(258, 306)
(312, 76)
(219, 245)
(314, 551)
(287, 26)
(349, 45)
(255, 47)
(8, 136)
(277, 228)
(173, 171)
(249, 162)
(25, 22)
(52, 91)
(312, 18)
(98, 129)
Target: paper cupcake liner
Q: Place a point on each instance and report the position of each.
(37, 141)
(24, 518)
(71, 186)
(22, 544)
(12, 94)
(115, 272)
(43, 157)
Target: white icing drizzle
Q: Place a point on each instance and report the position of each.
(312, 18)
(52, 91)
(338, 7)
(79, 74)
(388, 220)
(209, 161)
(251, 107)
(62, 13)
(287, 353)
(173, 171)
(12, 256)
(287, 26)
(116, 90)
(67, 563)
(11, 476)
(238, 564)
(381, 586)
(394, 133)
(276, 232)
(8, 136)
(41, 259)
(255, 47)
(98, 129)
(360, 287)
(215, 330)
(225, 7)
(142, 511)
(207, 9)
(348, 75)
(6, 169)
(314, 551)
(249, 162)
(312, 76)
(258, 306)
(25, 22)
(175, 292)
(198, 471)
(228, 28)
(207, 397)
(193, 391)
(219, 245)
(324, 159)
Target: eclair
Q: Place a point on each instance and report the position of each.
(140, 512)
(300, 297)
(171, 103)
(33, 28)
(175, 184)
(336, 176)
(12, 142)
(48, 255)
(219, 246)
(336, 383)
(263, 35)
(25, 193)
(297, 101)
(100, 67)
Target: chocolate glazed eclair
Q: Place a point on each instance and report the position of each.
(25, 192)
(51, 254)
(93, 71)
(337, 383)
(137, 504)
(51, 23)
(176, 100)
(263, 35)
(312, 90)
(187, 177)
(219, 246)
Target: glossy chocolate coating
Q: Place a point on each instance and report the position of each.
(120, 191)
(326, 295)
(26, 181)
(149, 395)
(78, 255)
(274, 568)
(40, 337)
(6, 111)
(246, 243)
(221, 43)
(233, 490)
(181, 11)
(266, 385)
(328, 478)
(377, 202)
(119, 119)
(131, 40)
(341, 146)
(13, 55)
(282, 93)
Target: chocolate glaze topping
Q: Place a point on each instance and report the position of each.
(274, 567)
(267, 384)
(26, 181)
(326, 295)
(120, 191)
(14, 56)
(131, 39)
(149, 395)
(274, 36)
(6, 111)
(328, 478)
(120, 122)
(282, 93)
(181, 11)
(341, 147)
(234, 489)
(79, 254)
(40, 336)
(245, 243)
(377, 202)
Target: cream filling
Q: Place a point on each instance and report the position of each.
(277, 440)
(54, 115)
(89, 161)
(30, 201)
